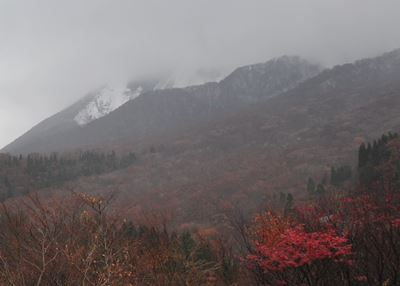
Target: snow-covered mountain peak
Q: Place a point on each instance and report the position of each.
(105, 101)
(111, 97)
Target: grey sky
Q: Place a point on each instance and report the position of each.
(52, 52)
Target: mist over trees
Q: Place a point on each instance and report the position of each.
(22, 174)
(342, 236)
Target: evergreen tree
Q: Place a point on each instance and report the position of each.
(340, 175)
(310, 186)
(187, 243)
(320, 189)
(362, 156)
(288, 210)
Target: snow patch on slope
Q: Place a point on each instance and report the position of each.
(105, 101)
(111, 97)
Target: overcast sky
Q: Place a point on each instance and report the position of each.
(52, 52)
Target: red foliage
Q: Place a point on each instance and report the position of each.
(396, 222)
(296, 247)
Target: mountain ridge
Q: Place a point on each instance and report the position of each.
(184, 107)
(246, 157)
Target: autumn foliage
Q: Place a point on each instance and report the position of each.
(296, 247)
(77, 241)
(286, 253)
(336, 237)
(340, 238)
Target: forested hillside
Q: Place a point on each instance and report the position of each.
(341, 236)
(261, 150)
(199, 143)
(21, 174)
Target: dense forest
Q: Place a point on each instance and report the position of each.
(19, 174)
(337, 236)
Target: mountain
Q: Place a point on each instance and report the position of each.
(99, 103)
(205, 149)
(105, 101)
(93, 106)
(254, 82)
(109, 98)
(247, 157)
(142, 111)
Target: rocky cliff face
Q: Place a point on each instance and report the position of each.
(268, 79)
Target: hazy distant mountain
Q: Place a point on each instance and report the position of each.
(272, 146)
(105, 101)
(245, 157)
(94, 105)
(217, 145)
(109, 98)
(268, 79)
(110, 116)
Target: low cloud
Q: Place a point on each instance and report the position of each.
(53, 52)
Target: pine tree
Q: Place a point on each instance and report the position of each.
(310, 186)
(320, 189)
(289, 205)
(362, 156)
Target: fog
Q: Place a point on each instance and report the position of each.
(53, 52)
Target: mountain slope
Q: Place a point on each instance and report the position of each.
(80, 113)
(268, 79)
(158, 113)
(273, 146)
(107, 100)
(248, 156)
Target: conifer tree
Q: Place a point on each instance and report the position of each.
(310, 186)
